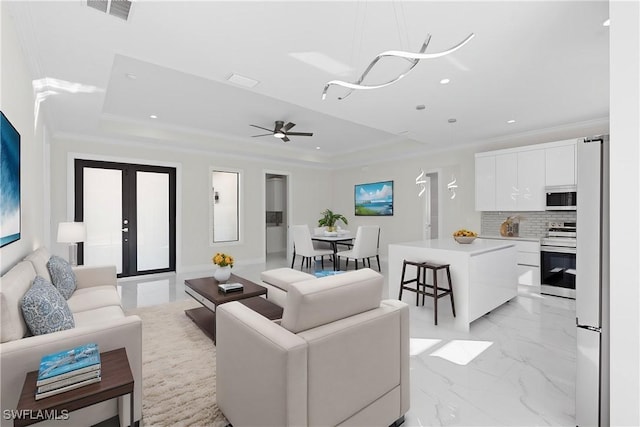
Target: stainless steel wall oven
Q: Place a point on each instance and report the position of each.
(558, 260)
(558, 271)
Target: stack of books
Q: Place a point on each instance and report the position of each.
(68, 370)
(230, 287)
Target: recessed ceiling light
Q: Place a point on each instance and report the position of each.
(131, 76)
(606, 23)
(242, 80)
(444, 81)
(452, 120)
(153, 116)
(511, 121)
(317, 148)
(420, 107)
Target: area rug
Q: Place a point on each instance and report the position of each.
(178, 369)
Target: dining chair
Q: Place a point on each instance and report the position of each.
(319, 231)
(365, 246)
(303, 246)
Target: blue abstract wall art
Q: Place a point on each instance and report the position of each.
(9, 182)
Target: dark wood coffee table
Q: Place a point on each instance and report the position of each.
(205, 291)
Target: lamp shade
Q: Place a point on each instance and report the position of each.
(71, 232)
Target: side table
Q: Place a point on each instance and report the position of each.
(117, 380)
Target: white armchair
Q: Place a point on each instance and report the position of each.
(340, 357)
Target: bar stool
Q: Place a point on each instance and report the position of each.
(436, 291)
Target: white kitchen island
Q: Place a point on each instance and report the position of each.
(483, 273)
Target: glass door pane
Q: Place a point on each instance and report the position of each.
(102, 194)
(152, 220)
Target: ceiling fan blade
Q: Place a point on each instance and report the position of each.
(289, 126)
(285, 139)
(260, 127)
(264, 134)
(300, 133)
(279, 124)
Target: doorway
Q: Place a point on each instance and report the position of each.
(130, 214)
(431, 207)
(276, 216)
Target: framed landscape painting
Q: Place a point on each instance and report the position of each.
(374, 199)
(9, 182)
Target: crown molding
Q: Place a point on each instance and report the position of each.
(178, 146)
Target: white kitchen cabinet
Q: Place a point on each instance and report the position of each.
(507, 192)
(527, 260)
(513, 179)
(276, 239)
(561, 164)
(486, 183)
(520, 181)
(528, 275)
(531, 181)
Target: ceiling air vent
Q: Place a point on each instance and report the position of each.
(117, 8)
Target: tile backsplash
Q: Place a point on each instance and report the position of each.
(274, 217)
(532, 224)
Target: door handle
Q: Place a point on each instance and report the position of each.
(126, 230)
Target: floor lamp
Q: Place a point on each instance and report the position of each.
(72, 233)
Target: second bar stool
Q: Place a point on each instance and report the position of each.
(436, 291)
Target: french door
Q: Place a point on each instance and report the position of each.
(129, 211)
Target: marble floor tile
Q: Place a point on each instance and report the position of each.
(515, 367)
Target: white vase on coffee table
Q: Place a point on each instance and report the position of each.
(222, 274)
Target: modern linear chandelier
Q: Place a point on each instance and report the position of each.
(412, 57)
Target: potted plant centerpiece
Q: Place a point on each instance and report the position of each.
(329, 219)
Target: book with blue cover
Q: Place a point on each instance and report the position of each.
(69, 362)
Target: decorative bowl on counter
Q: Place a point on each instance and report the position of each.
(464, 239)
(464, 236)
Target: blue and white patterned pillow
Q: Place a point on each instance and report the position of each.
(62, 276)
(44, 309)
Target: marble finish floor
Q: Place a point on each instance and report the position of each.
(515, 367)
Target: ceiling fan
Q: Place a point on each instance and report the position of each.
(282, 131)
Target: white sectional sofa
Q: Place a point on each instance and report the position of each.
(338, 357)
(98, 317)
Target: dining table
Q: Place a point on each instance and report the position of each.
(334, 240)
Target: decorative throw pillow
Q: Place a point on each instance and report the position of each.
(62, 276)
(44, 309)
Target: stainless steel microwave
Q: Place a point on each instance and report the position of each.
(561, 198)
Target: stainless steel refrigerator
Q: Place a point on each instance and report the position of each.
(592, 282)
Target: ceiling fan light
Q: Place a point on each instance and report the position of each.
(279, 135)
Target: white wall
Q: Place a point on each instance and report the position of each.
(624, 212)
(407, 220)
(311, 193)
(16, 101)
